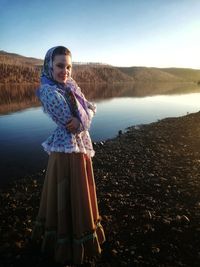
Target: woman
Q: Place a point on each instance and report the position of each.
(68, 218)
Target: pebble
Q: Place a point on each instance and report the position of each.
(148, 188)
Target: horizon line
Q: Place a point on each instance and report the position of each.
(106, 64)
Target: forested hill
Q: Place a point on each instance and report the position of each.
(20, 69)
(143, 74)
(187, 74)
(99, 73)
(15, 68)
(15, 59)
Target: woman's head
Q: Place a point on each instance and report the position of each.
(58, 64)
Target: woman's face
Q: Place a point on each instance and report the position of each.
(62, 68)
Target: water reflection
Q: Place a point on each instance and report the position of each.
(105, 91)
(118, 106)
(17, 97)
(14, 97)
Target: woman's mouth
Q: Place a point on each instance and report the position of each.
(64, 77)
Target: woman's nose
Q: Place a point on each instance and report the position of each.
(65, 71)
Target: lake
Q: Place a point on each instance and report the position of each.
(22, 132)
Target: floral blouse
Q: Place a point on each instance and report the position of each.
(61, 140)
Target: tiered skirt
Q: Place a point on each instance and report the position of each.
(68, 222)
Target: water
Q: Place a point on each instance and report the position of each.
(119, 113)
(21, 133)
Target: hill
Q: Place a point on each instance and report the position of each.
(28, 69)
(184, 73)
(144, 74)
(99, 73)
(15, 59)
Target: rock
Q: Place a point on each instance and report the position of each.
(148, 191)
(119, 133)
(185, 219)
(147, 215)
(155, 249)
(114, 252)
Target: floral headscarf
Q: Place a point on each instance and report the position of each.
(70, 90)
(47, 70)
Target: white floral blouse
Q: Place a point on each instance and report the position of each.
(61, 140)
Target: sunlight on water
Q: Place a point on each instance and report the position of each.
(184, 99)
(119, 113)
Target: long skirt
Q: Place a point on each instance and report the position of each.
(68, 222)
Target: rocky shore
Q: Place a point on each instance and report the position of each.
(148, 188)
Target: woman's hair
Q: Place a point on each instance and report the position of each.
(61, 50)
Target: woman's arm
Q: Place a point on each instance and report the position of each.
(55, 105)
(91, 106)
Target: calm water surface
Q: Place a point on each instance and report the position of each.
(21, 133)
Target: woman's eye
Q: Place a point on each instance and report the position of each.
(60, 66)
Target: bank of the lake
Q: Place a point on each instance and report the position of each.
(148, 188)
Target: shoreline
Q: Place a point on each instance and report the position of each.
(148, 190)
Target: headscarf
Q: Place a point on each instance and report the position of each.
(70, 90)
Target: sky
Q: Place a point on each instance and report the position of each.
(152, 33)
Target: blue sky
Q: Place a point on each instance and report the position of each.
(156, 33)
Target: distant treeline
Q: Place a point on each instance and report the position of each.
(24, 73)
(19, 73)
(98, 73)
(15, 68)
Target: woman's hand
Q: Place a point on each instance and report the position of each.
(73, 124)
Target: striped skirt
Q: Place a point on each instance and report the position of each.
(68, 221)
